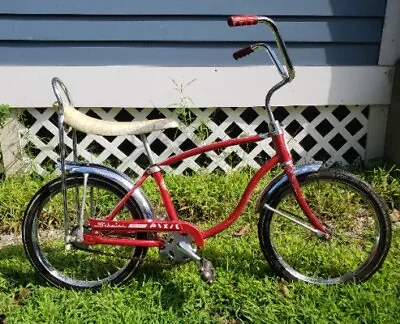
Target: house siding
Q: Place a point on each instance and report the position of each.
(185, 33)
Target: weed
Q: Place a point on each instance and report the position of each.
(5, 113)
(386, 180)
(184, 113)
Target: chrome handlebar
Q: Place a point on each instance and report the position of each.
(287, 74)
(236, 21)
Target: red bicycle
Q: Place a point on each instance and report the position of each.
(93, 224)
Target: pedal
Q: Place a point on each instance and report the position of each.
(207, 272)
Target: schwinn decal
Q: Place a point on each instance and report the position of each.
(139, 226)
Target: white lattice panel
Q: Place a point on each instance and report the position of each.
(332, 134)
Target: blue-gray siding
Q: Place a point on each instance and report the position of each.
(183, 32)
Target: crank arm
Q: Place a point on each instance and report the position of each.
(295, 219)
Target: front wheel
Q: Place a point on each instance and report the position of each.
(82, 266)
(353, 212)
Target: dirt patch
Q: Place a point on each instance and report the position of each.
(16, 239)
(10, 239)
(395, 218)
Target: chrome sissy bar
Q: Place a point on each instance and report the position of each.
(56, 84)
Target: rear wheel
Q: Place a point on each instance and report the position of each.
(82, 266)
(349, 207)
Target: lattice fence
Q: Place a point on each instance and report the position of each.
(331, 134)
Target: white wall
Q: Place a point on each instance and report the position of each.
(146, 86)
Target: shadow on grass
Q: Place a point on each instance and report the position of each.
(161, 272)
(243, 263)
(16, 269)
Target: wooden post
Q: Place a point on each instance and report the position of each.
(392, 143)
(10, 144)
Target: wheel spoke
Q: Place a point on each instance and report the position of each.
(84, 266)
(346, 206)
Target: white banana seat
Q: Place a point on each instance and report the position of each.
(90, 125)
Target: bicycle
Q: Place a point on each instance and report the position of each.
(93, 225)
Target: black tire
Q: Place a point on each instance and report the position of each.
(354, 212)
(43, 236)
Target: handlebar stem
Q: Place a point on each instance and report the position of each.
(281, 45)
(287, 76)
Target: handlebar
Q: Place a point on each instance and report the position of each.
(244, 52)
(236, 21)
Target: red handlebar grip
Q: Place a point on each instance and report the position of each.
(235, 21)
(243, 52)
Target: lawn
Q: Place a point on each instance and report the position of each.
(245, 290)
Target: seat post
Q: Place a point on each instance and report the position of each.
(147, 148)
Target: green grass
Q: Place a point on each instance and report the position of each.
(246, 289)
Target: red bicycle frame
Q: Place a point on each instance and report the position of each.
(173, 224)
(99, 227)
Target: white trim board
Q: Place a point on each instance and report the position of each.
(152, 86)
(390, 45)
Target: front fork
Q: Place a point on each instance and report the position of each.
(319, 228)
(285, 157)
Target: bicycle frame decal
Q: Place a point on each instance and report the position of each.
(127, 227)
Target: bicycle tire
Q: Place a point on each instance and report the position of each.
(42, 233)
(297, 254)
